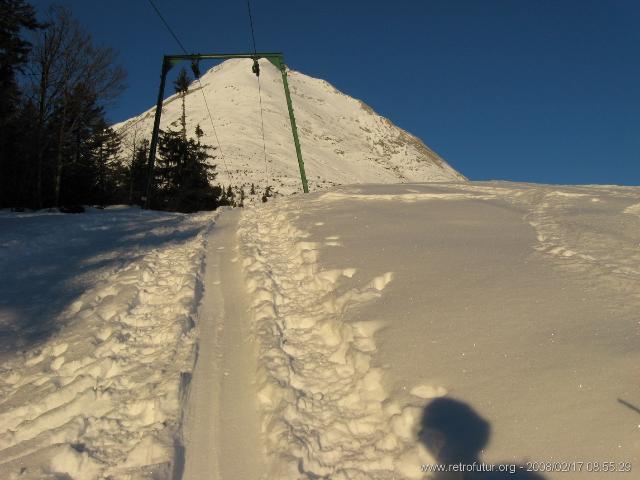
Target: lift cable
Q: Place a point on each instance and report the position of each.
(175, 37)
(184, 50)
(256, 70)
(215, 133)
(253, 35)
(264, 143)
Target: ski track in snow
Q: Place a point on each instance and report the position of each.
(102, 397)
(325, 411)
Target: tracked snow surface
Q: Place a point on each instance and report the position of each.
(367, 332)
(343, 140)
(97, 341)
(402, 326)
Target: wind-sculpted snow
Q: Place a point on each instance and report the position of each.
(99, 393)
(633, 209)
(325, 412)
(583, 225)
(411, 197)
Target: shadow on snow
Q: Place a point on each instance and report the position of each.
(48, 261)
(456, 435)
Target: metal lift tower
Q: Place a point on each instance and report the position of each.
(170, 60)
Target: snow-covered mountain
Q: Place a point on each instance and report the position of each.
(343, 140)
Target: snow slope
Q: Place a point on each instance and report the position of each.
(97, 343)
(367, 332)
(404, 326)
(343, 140)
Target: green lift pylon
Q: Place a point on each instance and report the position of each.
(169, 61)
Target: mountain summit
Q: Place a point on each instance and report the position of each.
(343, 140)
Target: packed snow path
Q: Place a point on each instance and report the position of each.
(222, 433)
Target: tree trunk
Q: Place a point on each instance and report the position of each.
(38, 203)
(183, 120)
(42, 93)
(58, 179)
(103, 173)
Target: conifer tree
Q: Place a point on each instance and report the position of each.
(199, 133)
(138, 173)
(104, 149)
(184, 174)
(15, 15)
(242, 197)
(231, 196)
(49, 119)
(267, 193)
(181, 85)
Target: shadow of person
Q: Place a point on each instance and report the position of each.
(455, 435)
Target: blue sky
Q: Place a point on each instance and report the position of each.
(526, 90)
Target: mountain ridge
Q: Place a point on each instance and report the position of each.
(343, 140)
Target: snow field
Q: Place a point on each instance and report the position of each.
(359, 324)
(411, 197)
(362, 322)
(325, 410)
(102, 398)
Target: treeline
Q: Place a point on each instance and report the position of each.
(56, 148)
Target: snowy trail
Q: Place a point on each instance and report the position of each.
(222, 434)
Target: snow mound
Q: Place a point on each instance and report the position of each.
(326, 413)
(633, 209)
